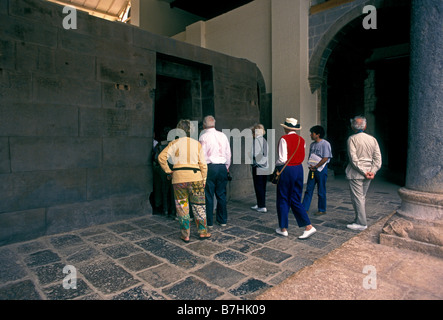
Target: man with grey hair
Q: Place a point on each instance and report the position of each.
(217, 151)
(364, 162)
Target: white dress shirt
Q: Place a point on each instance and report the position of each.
(216, 147)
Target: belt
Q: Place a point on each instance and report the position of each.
(186, 168)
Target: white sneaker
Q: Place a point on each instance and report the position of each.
(356, 226)
(256, 208)
(283, 233)
(307, 233)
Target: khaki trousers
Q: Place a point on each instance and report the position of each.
(359, 188)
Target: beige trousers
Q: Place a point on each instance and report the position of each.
(359, 188)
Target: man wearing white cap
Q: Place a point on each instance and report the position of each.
(291, 149)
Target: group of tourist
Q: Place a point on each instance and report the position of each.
(199, 172)
(364, 162)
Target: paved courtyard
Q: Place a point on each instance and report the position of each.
(144, 258)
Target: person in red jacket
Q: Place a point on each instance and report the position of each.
(291, 147)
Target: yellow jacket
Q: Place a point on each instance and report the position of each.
(186, 156)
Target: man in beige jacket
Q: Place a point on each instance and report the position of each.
(364, 162)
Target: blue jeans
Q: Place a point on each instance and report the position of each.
(319, 179)
(216, 182)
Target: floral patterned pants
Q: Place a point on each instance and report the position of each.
(190, 194)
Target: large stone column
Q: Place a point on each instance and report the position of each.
(418, 224)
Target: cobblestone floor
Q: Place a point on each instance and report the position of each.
(143, 258)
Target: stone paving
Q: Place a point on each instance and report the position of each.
(144, 259)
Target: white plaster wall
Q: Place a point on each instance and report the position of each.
(291, 95)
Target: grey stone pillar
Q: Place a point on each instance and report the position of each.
(418, 224)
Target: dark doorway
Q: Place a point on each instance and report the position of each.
(368, 74)
(172, 102)
(184, 90)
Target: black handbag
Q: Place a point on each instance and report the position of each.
(275, 176)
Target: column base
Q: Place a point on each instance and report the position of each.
(418, 224)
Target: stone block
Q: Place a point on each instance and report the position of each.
(130, 95)
(29, 190)
(7, 56)
(108, 181)
(57, 292)
(12, 270)
(118, 71)
(76, 42)
(107, 276)
(219, 275)
(22, 225)
(249, 287)
(3, 7)
(27, 119)
(113, 123)
(27, 31)
(72, 216)
(15, 86)
(23, 290)
(90, 25)
(159, 276)
(176, 255)
(5, 165)
(74, 64)
(54, 153)
(63, 90)
(37, 11)
(193, 289)
(126, 152)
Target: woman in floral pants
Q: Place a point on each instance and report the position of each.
(188, 175)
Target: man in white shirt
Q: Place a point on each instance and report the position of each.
(217, 152)
(364, 162)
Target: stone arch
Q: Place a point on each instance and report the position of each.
(334, 34)
(348, 70)
(327, 43)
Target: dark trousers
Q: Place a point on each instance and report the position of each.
(289, 191)
(216, 182)
(259, 187)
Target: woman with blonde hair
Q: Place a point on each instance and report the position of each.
(259, 162)
(188, 176)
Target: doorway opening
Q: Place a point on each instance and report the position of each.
(184, 90)
(172, 102)
(367, 74)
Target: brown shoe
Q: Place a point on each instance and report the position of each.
(320, 213)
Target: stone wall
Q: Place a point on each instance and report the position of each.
(76, 117)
